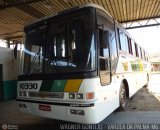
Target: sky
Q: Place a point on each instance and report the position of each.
(148, 38)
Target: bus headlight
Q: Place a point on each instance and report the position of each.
(75, 96)
(79, 96)
(71, 96)
(72, 111)
(81, 112)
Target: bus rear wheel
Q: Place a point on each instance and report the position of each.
(122, 97)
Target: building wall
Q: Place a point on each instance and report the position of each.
(10, 73)
(155, 67)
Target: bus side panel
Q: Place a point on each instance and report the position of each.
(133, 70)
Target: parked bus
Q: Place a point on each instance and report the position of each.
(79, 65)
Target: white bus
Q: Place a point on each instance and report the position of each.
(79, 66)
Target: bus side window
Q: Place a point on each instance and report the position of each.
(123, 41)
(133, 48)
(130, 46)
(139, 51)
(104, 57)
(113, 51)
(136, 48)
(143, 54)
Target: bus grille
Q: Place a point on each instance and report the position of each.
(46, 94)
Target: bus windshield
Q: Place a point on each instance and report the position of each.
(60, 47)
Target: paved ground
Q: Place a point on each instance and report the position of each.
(9, 113)
(146, 99)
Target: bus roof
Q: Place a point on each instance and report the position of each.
(95, 6)
(70, 10)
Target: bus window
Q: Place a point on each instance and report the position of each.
(123, 41)
(113, 46)
(129, 46)
(136, 48)
(34, 49)
(146, 56)
(133, 48)
(113, 51)
(139, 52)
(143, 55)
(104, 57)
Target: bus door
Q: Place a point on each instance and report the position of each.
(105, 69)
(104, 56)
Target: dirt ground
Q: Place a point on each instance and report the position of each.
(146, 99)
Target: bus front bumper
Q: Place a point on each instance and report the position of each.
(80, 113)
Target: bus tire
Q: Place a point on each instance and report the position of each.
(122, 97)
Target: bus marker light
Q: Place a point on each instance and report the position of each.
(44, 107)
(90, 95)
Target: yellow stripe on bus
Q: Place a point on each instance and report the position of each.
(140, 66)
(73, 85)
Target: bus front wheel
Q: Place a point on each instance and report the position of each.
(122, 97)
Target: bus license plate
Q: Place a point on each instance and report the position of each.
(44, 107)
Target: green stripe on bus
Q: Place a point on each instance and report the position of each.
(46, 85)
(58, 85)
(137, 65)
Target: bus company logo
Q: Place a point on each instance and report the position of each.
(125, 66)
(28, 85)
